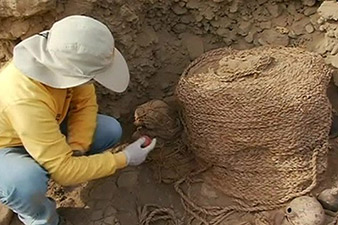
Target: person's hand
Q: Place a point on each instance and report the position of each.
(136, 153)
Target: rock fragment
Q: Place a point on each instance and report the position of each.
(273, 37)
(329, 199)
(309, 2)
(23, 8)
(309, 28)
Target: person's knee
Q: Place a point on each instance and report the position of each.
(108, 133)
(111, 130)
(116, 129)
(28, 187)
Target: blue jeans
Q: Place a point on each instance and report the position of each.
(23, 182)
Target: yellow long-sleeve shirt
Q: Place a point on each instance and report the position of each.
(30, 115)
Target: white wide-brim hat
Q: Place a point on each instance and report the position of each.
(75, 50)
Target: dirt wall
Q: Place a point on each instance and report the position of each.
(159, 38)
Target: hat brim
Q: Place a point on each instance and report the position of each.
(116, 77)
(32, 58)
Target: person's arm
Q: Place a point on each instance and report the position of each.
(39, 132)
(82, 117)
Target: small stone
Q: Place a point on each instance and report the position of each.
(234, 6)
(274, 9)
(310, 11)
(25, 8)
(178, 10)
(309, 2)
(309, 28)
(299, 26)
(101, 204)
(110, 220)
(244, 28)
(179, 28)
(292, 9)
(182, 4)
(265, 25)
(273, 37)
(6, 215)
(261, 2)
(193, 4)
(321, 20)
(128, 179)
(292, 34)
(250, 37)
(223, 32)
(186, 19)
(329, 199)
(19, 28)
(97, 215)
(334, 49)
(128, 14)
(110, 211)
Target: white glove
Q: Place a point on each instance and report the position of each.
(136, 154)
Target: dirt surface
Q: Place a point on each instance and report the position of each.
(121, 198)
(159, 39)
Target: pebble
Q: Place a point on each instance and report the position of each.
(244, 28)
(310, 11)
(97, 215)
(273, 37)
(329, 199)
(309, 28)
(110, 211)
(179, 28)
(265, 25)
(250, 37)
(110, 220)
(178, 10)
(309, 2)
(274, 9)
(299, 26)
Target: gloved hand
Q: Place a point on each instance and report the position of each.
(136, 154)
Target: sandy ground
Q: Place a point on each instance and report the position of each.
(119, 199)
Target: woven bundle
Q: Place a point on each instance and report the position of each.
(261, 117)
